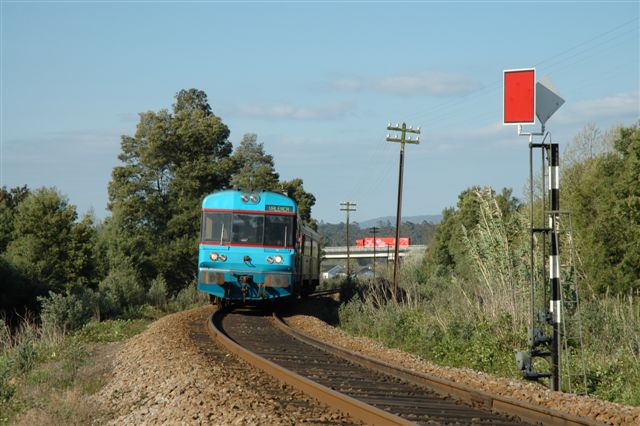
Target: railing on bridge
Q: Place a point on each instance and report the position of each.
(368, 252)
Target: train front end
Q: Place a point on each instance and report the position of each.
(247, 243)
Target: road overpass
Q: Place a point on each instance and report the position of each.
(368, 252)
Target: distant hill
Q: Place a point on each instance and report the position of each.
(431, 218)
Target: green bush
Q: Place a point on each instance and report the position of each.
(5, 336)
(7, 389)
(111, 330)
(157, 294)
(187, 297)
(348, 289)
(120, 289)
(24, 352)
(67, 312)
(74, 355)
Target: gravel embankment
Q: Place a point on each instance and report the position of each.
(174, 374)
(603, 411)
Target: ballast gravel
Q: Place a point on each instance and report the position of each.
(585, 406)
(173, 373)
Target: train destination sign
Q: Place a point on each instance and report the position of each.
(278, 209)
(519, 96)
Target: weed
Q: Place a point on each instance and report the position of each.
(157, 294)
(444, 321)
(188, 297)
(7, 379)
(111, 330)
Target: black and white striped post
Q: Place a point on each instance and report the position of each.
(554, 264)
(524, 100)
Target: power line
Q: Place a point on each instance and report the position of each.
(496, 83)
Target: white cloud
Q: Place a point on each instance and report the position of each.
(288, 111)
(620, 105)
(425, 84)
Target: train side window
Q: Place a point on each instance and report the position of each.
(315, 248)
(307, 245)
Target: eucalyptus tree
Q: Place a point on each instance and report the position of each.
(255, 168)
(173, 159)
(294, 188)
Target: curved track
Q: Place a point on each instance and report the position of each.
(367, 389)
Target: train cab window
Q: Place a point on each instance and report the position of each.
(315, 249)
(216, 227)
(247, 228)
(278, 230)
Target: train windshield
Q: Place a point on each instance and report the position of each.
(247, 228)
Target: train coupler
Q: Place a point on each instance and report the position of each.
(226, 288)
(245, 280)
(262, 291)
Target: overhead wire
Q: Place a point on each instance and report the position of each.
(442, 112)
(495, 84)
(443, 116)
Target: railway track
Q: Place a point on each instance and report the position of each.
(369, 390)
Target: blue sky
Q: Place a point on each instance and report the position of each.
(318, 82)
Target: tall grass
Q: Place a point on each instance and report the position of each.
(40, 360)
(500, 257)
(480, 321)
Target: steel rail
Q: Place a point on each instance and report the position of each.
(501, 404)
(322, 293)
(341, 402)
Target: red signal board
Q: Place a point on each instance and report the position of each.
(519, 96)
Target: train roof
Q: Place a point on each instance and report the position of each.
(258, 201)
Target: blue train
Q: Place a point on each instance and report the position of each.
(254, 247)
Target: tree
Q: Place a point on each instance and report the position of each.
(172, 161)
(14, 196)
(305, 200)
(604, 196)
(43, 225)
(255, 169)
(589, 143)
(448, 251)
(49, 247)
(9, 201)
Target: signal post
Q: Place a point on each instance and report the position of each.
(524, 100)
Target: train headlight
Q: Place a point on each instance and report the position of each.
(278, 258)
(223, 257)
(252, 198)
(270, 259)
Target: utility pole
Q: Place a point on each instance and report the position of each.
(374, 230)
(348, 206)
(402, 140)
